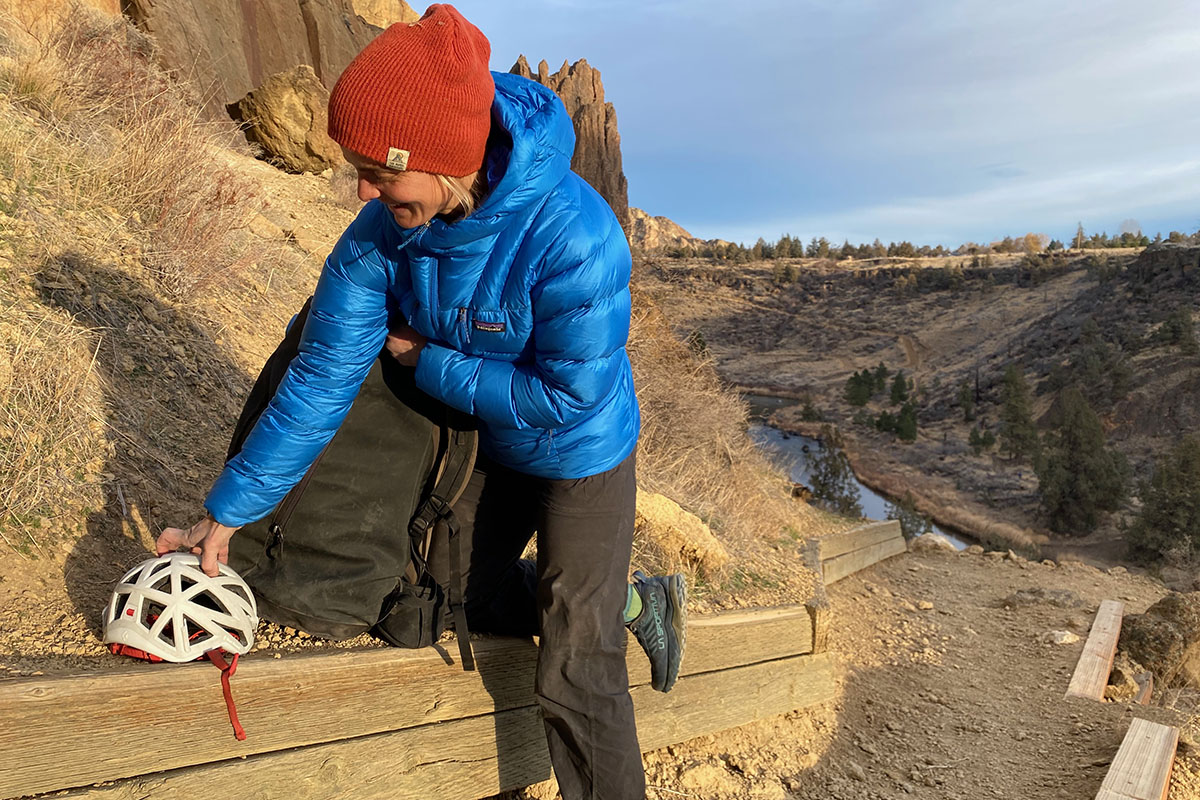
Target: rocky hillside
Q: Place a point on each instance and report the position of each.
(597, 143)
(803, 327)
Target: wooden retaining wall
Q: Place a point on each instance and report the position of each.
(843, 554)
(376, 723)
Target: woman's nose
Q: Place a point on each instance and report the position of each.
(366, 190)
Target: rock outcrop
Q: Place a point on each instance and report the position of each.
(682, 537)
(1166, 639)
(597, 157)
(1168, 261)
(381, 13)
(228, 47)
(286, 116)
(659, 234)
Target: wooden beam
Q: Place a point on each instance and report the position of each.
(1096, 660)
(1145, 682)
(838, 567)
(817, 605)
(1141, 769)
(836, 544)
(480, 756)
(62, 731)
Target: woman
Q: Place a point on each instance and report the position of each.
(502, 277)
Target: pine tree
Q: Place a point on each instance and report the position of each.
(1018, 433)
(1080, 240)
(881, 376)
(1170, 519)
(899, 388)
(906, 423)
(859, 388)
(832, 478)
(1078, 475)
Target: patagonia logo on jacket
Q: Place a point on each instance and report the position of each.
(490, 327)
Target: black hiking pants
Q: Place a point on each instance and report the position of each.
(573, 598)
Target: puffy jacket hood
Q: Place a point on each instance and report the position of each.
(543, 139)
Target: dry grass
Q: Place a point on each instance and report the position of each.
(947, 509)
(93, 125)
(51, 435)
(694, 449)
(103, 162)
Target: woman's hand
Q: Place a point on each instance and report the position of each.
(405, 345)
(207, 538)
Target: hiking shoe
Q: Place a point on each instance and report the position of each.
(661, 627)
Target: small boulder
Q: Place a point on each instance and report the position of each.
(286, 116)
(1037, 595)
(680, 535)
(1059, 637)
(931, 543)
(1166, 639)
(974, 549)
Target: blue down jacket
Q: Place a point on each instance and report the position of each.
(525, 304)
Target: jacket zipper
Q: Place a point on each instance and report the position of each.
(274, 546)
(464, 327)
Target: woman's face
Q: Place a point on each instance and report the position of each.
(414, 198)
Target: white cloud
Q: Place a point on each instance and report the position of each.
(1098, 197)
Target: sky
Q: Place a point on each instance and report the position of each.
(936, 122)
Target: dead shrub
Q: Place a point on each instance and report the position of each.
(51, 433)
(116, 133)
(694, 449)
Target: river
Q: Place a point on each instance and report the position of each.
(794, 453)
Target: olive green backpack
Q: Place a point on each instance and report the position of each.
(350, 549)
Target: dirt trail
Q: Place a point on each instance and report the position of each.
(958, 701)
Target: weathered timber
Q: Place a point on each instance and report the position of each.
(1145, 683)
(1096, 660)
(64, 731)
(838, 567)
(1141, 769)
(837, 544)
(480, 756)
(818, 605)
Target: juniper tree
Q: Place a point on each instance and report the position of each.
(1078, 474)
(1170, 518)
(1018, 433)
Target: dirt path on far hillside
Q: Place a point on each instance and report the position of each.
(960, 701)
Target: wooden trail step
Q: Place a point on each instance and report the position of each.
(1096, 660)
(68, 731)
(1141, 769)
(843, 554)
(481, 756)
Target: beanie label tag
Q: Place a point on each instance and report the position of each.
(397, 159)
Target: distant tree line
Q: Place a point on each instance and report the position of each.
(788, 246)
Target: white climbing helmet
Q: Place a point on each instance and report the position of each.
(167, 609)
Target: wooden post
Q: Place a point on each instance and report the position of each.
(1141, 769)
(1096, 660)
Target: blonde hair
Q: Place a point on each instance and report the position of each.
(468, 199)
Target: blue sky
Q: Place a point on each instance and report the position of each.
(936, 122)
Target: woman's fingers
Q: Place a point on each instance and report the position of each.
(170, 540)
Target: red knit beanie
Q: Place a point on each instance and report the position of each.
(419, 96)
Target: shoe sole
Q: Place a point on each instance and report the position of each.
(677, 597)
